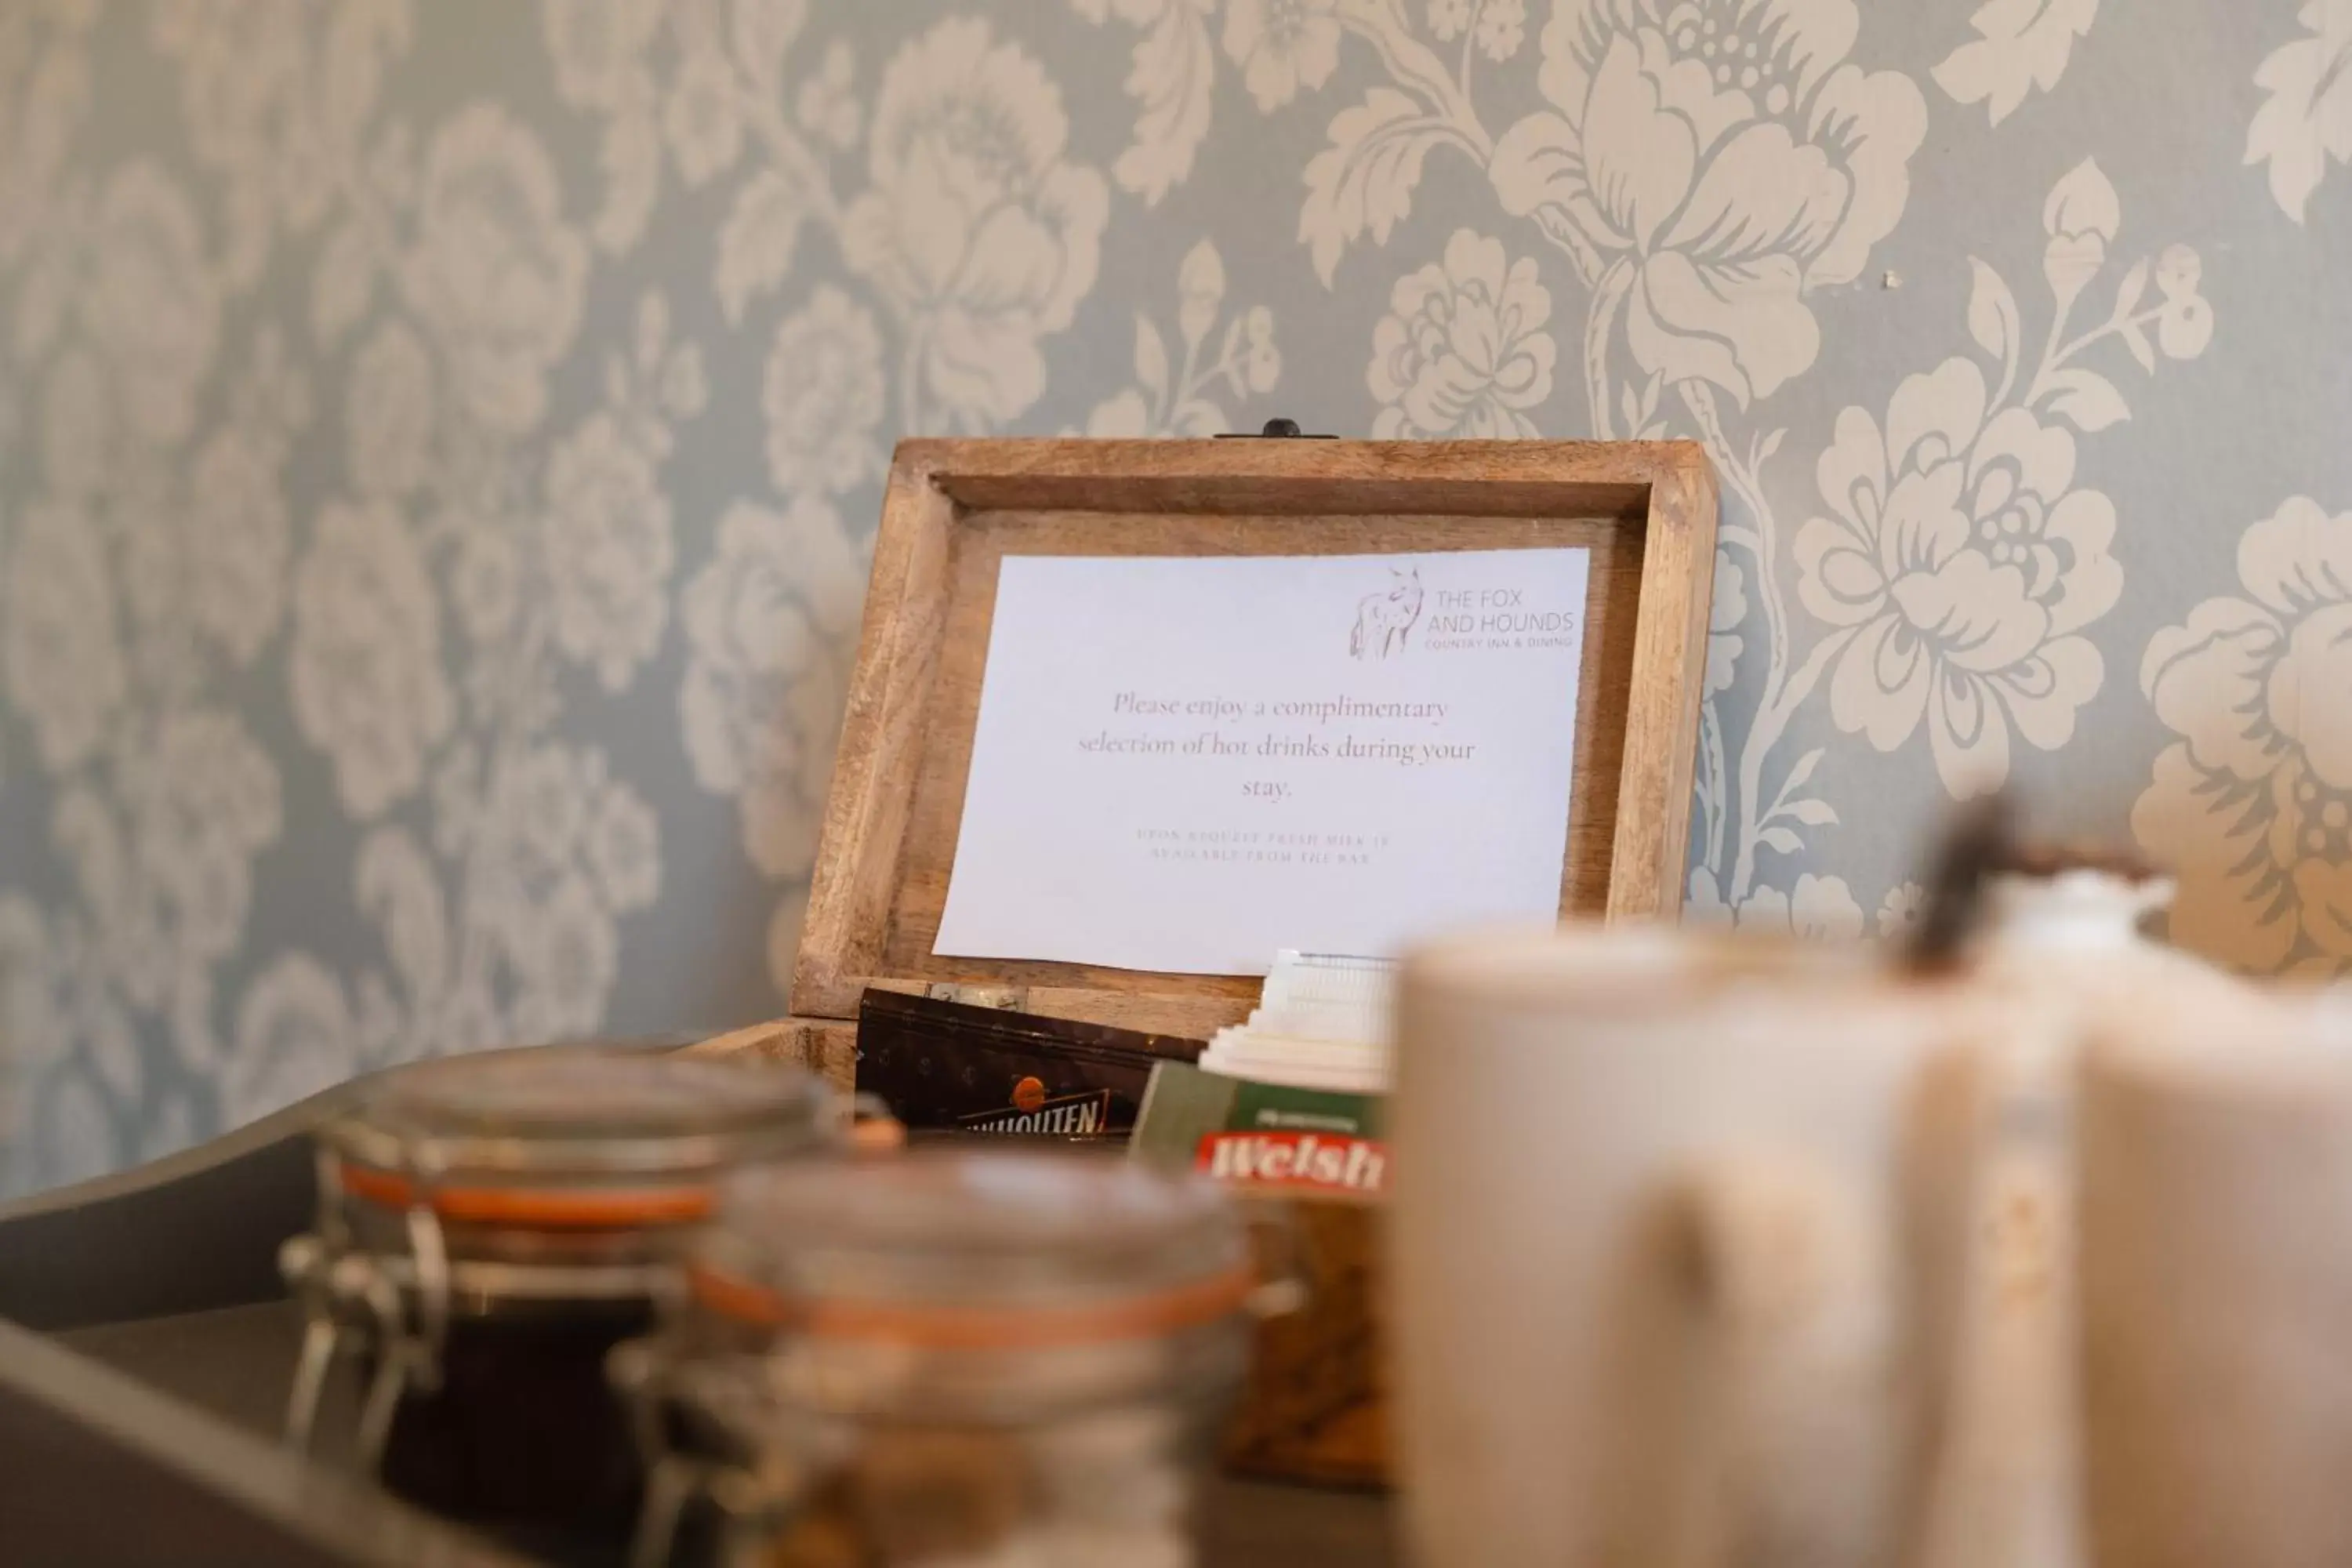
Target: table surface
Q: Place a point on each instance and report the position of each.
(236, 1364)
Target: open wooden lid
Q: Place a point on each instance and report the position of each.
(954, 509)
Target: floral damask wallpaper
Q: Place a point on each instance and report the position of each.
(440, 444)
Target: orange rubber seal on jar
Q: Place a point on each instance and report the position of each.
(529, 1208)
(949, 1327)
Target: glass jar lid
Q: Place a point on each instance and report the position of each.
(973, 1249)
(641, 1133)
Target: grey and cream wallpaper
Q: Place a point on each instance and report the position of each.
(440, 444)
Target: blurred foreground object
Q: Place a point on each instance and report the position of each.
(1978, 846)
(1713, 1250)
(2217, 1281)
(2057, 949)
(488, 1228)
(969, 1356)
(1653, 1193)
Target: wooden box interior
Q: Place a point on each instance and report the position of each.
(956, 508)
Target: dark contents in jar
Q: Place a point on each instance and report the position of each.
(525, 1433)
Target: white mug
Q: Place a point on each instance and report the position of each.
(2062, 952)
(1678, 1236)
(2216, 1278)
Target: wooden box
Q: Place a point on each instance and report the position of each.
(954, 509)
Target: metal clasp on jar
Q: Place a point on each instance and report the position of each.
(399, 1305)
(355, 1300)
(746, 1502)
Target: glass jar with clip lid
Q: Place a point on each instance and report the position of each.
(488, 1227)
(959, 1356)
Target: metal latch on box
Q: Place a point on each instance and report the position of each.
(1276, 430)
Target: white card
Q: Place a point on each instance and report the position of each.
(1187, 763)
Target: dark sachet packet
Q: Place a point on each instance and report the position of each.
(949, 1065)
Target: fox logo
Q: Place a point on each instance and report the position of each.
(1384, 620)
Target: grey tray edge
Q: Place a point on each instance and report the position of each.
(342, 1519)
